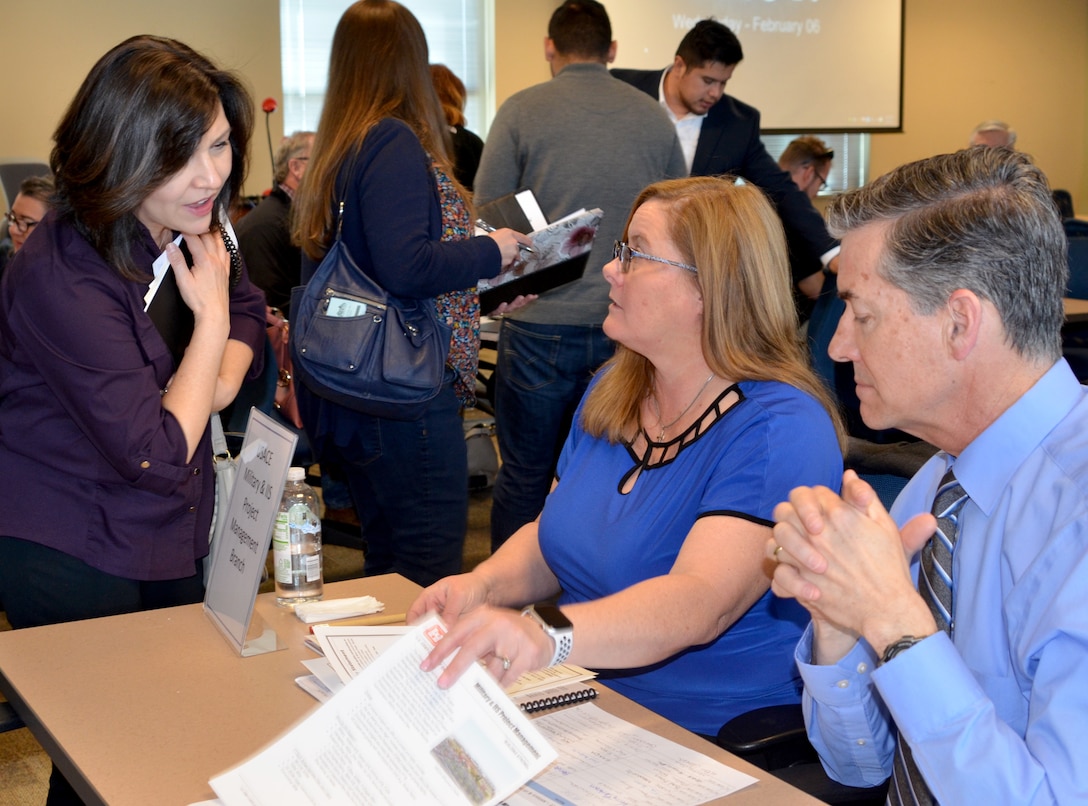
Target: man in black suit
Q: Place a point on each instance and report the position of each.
(720, 134)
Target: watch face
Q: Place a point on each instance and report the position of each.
(553, 617)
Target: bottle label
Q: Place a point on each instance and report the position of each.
(313, 567)
(281, 549)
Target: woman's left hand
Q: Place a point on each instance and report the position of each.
(520, 301)
(508, 644)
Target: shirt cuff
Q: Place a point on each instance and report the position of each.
(835, 684)
(930, 672)
(830, 255)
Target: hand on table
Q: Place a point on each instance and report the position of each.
(508, 644)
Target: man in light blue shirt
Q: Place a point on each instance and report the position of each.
(953, 270)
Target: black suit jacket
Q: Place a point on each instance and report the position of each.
(729, 144)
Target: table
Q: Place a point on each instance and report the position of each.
(144, 708)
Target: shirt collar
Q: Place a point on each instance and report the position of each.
(990, 460)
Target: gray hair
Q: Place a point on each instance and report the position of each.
(995, 126)
(290, 148)
(981, 219)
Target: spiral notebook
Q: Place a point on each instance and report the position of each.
(571, 694)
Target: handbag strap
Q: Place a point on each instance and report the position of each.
(219, 439)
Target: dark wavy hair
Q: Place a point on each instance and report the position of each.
(709, 41)
(135, 122)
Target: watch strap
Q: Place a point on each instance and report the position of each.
(899, 646)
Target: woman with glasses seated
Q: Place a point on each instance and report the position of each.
(653, 534)
(31, 204)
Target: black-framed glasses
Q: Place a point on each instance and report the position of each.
(823, 179)
(20, 225)
(624, 254)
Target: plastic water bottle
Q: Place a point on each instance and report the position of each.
(296, 543)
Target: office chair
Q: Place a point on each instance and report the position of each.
(13, 173)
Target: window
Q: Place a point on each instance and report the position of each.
(460, 34)
(848, 169)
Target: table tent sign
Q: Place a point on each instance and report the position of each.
(239, 553)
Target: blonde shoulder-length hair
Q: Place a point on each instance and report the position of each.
(749, 325)
(378, 68)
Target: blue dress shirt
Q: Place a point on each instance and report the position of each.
(999, 712)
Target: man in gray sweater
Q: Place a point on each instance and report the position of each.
(581, 139)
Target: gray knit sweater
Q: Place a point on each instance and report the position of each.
(583, 139)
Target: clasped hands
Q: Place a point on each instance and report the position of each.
(845, 560)
(506, 642)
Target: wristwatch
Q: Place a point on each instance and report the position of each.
(554, 623)
(899, 646)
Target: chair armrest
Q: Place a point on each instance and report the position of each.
(761, 729)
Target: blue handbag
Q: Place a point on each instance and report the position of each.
(359, 347)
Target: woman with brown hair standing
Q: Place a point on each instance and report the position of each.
(382, 149)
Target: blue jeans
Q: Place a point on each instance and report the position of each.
(409, 481)
(541, 375)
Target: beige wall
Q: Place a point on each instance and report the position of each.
(965, 61)
(971, 60)
(50, 45)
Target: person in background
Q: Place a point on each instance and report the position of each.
(957, 659)
(653, 534)
(579, 140)
(31, 204)
(720, 135)
(467, 146)
(994, 134)
(807, 160)
(264, 234)
(382, 148)
(105, 446)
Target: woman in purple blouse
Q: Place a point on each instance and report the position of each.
(104, 441)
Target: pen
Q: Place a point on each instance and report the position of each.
(364, 621)
(488, 228)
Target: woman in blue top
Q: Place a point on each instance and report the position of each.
(653, 534)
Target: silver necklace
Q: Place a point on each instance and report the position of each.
(662, 428)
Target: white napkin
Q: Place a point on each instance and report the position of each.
(331, 609)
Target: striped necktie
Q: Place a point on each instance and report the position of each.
(935, 587)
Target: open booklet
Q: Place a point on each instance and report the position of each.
(393, 736)
(560, 250)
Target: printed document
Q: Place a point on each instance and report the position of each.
(391, 736)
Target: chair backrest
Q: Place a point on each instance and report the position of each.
(13, 173)
(1078, 266)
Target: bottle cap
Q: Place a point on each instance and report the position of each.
(296, 474)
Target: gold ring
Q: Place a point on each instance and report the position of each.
(778, 549)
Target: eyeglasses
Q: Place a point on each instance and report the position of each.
(624, 254)
(823, 179)
(21, 225)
